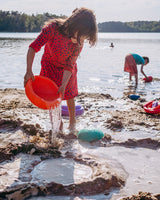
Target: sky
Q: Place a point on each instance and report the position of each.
(105, 10)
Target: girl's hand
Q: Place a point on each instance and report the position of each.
(62, 90)
(28, 75)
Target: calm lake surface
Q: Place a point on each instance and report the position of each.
(100, 68)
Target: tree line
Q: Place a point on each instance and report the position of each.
(136, 26)
(13, 21)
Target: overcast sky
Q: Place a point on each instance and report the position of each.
(105, 10)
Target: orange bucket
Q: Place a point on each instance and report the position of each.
(43, 92)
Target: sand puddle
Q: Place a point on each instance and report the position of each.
(63, 171)
(76, 176)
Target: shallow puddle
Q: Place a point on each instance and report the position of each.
(142, 166)
(63, 171)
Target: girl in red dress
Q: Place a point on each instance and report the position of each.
(63, 41)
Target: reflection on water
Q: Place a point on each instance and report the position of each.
(18, 35)
(100, 69)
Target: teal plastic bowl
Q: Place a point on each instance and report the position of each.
(90, 135)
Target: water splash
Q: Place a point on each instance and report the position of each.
(55, 119)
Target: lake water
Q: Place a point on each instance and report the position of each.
(100, 68)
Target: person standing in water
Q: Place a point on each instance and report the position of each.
(130, 65)
(63, 40)
(111, 45)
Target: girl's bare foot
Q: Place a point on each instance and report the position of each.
(72, 128)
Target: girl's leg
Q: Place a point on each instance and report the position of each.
(136, 78)
(71, 109)
(61, 126)
(130, 77)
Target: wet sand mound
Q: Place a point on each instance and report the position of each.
(143, 196)
(12, 150)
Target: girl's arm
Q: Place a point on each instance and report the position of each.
(66, 76)
(143, 71)
(30, 57)
(35, 46)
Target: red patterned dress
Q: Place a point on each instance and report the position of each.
(60, 54)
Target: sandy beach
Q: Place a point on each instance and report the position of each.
(124, 164)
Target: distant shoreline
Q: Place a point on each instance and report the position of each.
(14, 21)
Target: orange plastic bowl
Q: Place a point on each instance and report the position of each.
(43, 92)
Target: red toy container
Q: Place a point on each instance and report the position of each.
(43, 92)
(149, 79)
(148, 108)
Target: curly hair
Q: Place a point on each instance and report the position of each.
(82, 21)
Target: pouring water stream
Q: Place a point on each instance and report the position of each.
(55, 119)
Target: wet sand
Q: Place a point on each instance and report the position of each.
(118, 166)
